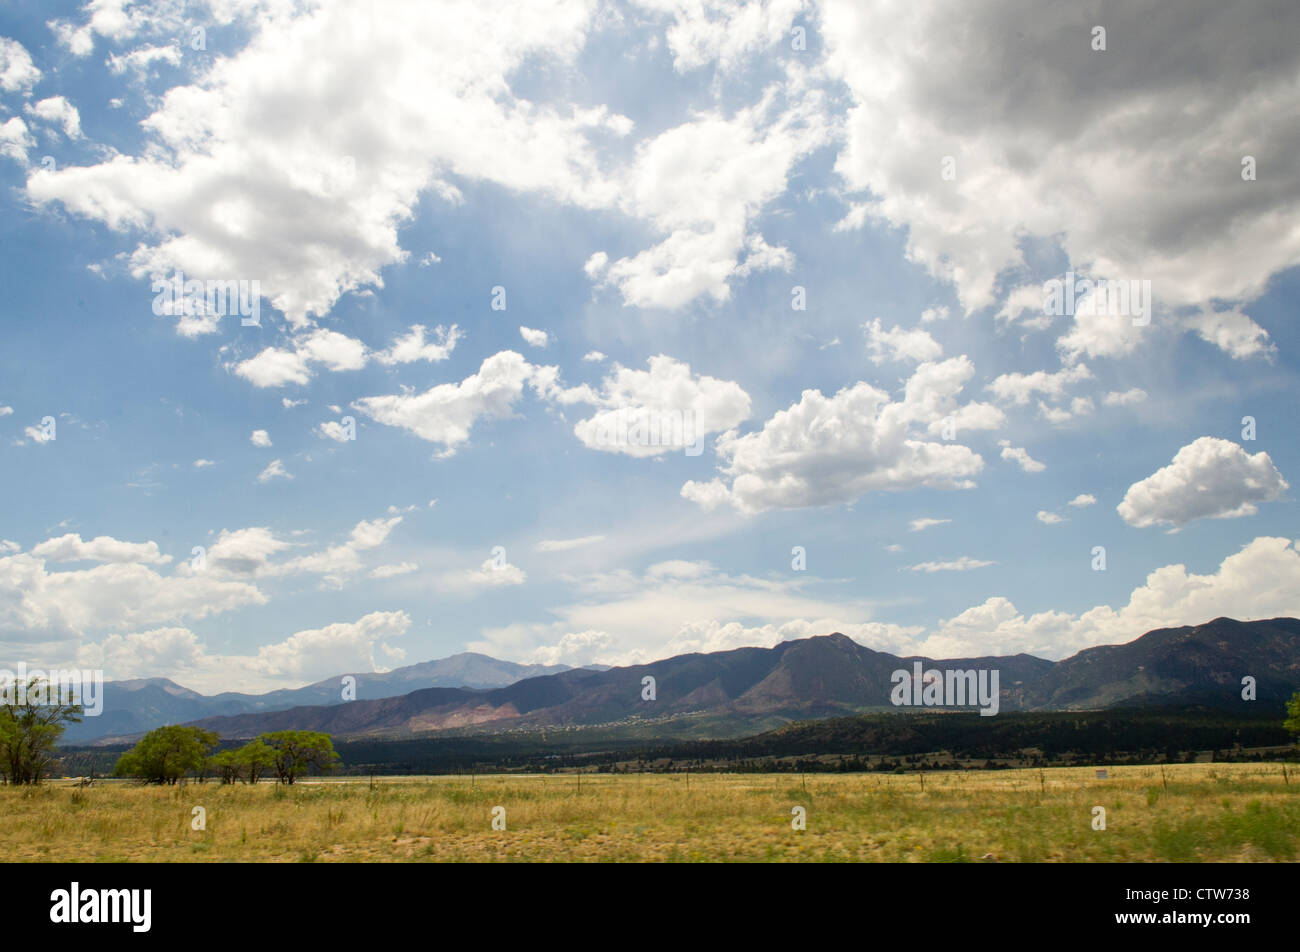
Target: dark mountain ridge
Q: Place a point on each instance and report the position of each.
(737, 691)
(1194, 663)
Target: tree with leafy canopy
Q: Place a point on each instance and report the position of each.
(297, 751)
(167, 754)
(29, 731)
(1292, 723)
(227, 766)
(244, 764)
(255, 756)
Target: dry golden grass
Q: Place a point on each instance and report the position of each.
(1220, 812)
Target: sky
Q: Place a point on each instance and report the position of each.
(585, 332)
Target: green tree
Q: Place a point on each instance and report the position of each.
(1292, 723)
(255, 757)
(228, 766)
(245, 764)
(297, 751)
(30, 730)
(166, 754)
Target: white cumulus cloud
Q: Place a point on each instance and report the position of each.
(1209, 478)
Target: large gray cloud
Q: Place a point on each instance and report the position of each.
(1131, 157)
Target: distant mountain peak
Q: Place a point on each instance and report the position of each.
(740, 688)
(140, 704)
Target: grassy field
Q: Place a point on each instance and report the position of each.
(1222, 812)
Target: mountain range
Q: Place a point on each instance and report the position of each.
(132, 707)
(730, 693)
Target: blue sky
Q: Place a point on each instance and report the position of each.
(649, 183)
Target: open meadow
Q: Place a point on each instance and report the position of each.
(1198, 812)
